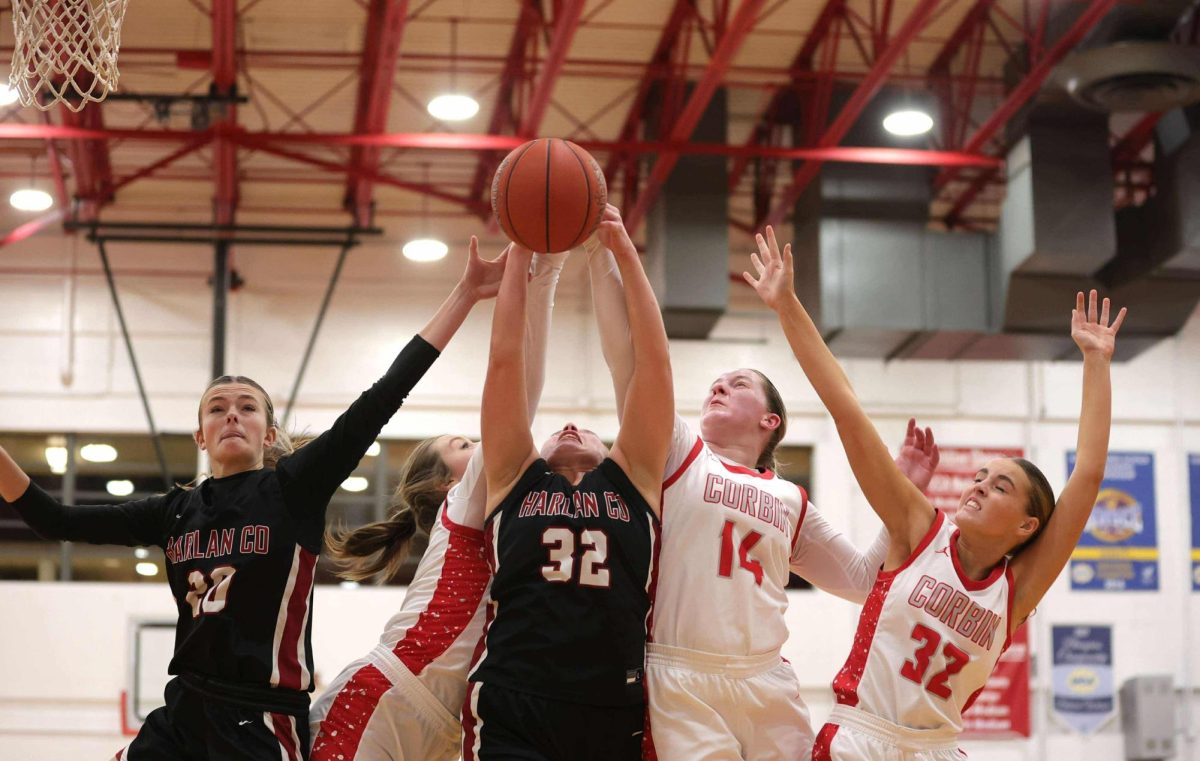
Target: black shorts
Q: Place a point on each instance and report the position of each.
(505, 725)
(195, 726)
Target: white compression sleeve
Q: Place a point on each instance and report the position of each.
(829, 561)
(539, 306)
(608, 301)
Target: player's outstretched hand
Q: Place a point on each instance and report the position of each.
(1092, 333)
(774, 283)
(919, 455)
(481, 278)
(612, 233)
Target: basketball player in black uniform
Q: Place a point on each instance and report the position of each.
(241, 549)
(572, 536)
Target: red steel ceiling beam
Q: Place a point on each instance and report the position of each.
(1029, 86)
(377, 70)
(659, 62)
(736, 32)
(857, 102)
(566, 22)
(511, 78)
(473, 142)
(32, 227)
(1016, 99)
(1137, 138)
(259, 143)
(1125, 150)
(970, 31)
(971, 20)
(90, 159)
(803, 62)
(224, 79)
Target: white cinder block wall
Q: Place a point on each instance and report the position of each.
(63, 647)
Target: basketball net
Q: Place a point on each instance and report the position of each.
(65, 51)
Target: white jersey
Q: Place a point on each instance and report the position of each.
(437, 628)
(928, 637)
(729, 533)
(406, 694)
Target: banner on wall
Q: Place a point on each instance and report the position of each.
(1194, 491)
(956, 471)
(1001, 710)
(1083, 679)
(1119, 547)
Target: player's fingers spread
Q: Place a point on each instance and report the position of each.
(1120, 319)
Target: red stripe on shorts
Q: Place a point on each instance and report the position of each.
(822, 747)
(469, 724)
(285, 733)
(341, 730)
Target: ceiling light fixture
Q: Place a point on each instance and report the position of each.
(355, 484)
(98, 452)
(56, 458)
(119, 488)
(8, 95)
(908, 123)
(453, 106)
(146, 568)
(425, 250)
(30, 199)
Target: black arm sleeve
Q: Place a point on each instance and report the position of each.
(310, 476)
(135, 523)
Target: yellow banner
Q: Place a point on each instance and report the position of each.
(1120, 553)
(1196, 555)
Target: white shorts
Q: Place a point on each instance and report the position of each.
(854, 735)
(376, 710)
(708, 707)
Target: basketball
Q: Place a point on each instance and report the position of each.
(548, 195)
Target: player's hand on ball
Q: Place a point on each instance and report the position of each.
(774, 282)
(612, 233)
(481, 278)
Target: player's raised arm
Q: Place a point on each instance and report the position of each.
(900, 505)
(1042, 559)
(646, 426)
(612, 319)
(312, 474)
(504, 424)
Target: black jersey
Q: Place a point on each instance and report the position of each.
(241, 550)
(573, 575)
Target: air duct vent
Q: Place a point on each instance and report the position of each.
(1133, 76)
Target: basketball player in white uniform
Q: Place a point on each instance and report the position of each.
(732, 531)
(401, 702)
(946, 602)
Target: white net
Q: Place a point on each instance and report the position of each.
(65, 51)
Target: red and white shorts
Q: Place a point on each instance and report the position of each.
(377, 710)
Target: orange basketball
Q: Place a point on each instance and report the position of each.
(548, 195)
